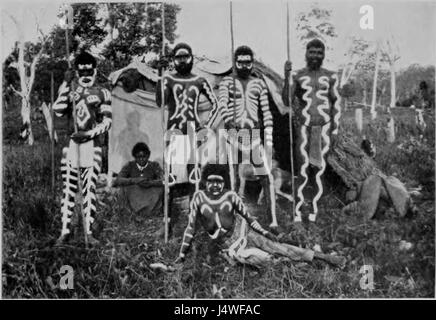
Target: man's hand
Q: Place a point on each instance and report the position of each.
(80, 137)
(69, 75)
(163, 63)
(288, 68)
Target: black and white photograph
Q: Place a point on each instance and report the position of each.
(208, 150)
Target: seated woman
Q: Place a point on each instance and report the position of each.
(234, 231)
(141, 182)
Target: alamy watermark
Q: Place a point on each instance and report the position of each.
(227, 146)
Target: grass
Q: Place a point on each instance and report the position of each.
(120, 266)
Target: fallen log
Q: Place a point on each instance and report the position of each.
(367, 187)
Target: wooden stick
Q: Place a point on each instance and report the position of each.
(288, 52)
(52, 135)
(229, 151)
(165, 160)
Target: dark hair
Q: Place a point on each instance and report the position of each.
(180, 46)
(315, 43)
(140, 146)
(215, 169)
(243, 50)
(85, 58)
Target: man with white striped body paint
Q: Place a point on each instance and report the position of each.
(181, 95)
(82, 156)
(316, 112)
(244, 106)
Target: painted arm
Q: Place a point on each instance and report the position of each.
(190, 229)
(242, 210)
(105, 109)
(63, 103)
(289, 90)
(267, 115)
(159, 93)
(224, 108)
(207, 90)
(335, 100)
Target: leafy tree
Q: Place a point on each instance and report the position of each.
(348, 91)
(136, 30)
(315, 23)
(408, 81)
(391, 53)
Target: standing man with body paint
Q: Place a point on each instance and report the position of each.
(82, 156)
(182, 92)
(244, 107)
(316, 113)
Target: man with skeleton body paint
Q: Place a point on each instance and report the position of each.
(233, 230)
(316, 112)
(182, 92)
(92, 103)
(242, 98)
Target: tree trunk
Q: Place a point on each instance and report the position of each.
(391, 130)
(359, 119)
(25, 115)
(49, 121)
(374, 86)
(350, 162)
(364, 99)
(393, 88)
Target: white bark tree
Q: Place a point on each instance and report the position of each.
(374, 85)
(391, 53)
(26, 71)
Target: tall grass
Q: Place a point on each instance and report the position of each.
(120, 266)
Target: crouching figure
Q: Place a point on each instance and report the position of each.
(233, 231)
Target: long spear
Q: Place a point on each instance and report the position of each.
(52, 134)
(288, 52)
(165, 162)
(69, 22)
(230, 154)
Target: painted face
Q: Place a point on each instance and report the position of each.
(86, 74)
(215, 185)
(314, 57)
(183, 61)
(141, 158)
(244, 66)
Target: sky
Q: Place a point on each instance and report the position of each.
(262, 25)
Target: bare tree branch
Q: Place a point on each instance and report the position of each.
(33, 67)
(16, 91)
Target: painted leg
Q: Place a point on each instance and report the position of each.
(269, 194)
(278, 248)
(231, 169)
(242, 179)
(303, 177)
(89, 178)
(326, 142)
(267, 182)
(70, 186)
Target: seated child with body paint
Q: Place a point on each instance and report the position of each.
(233, 231)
